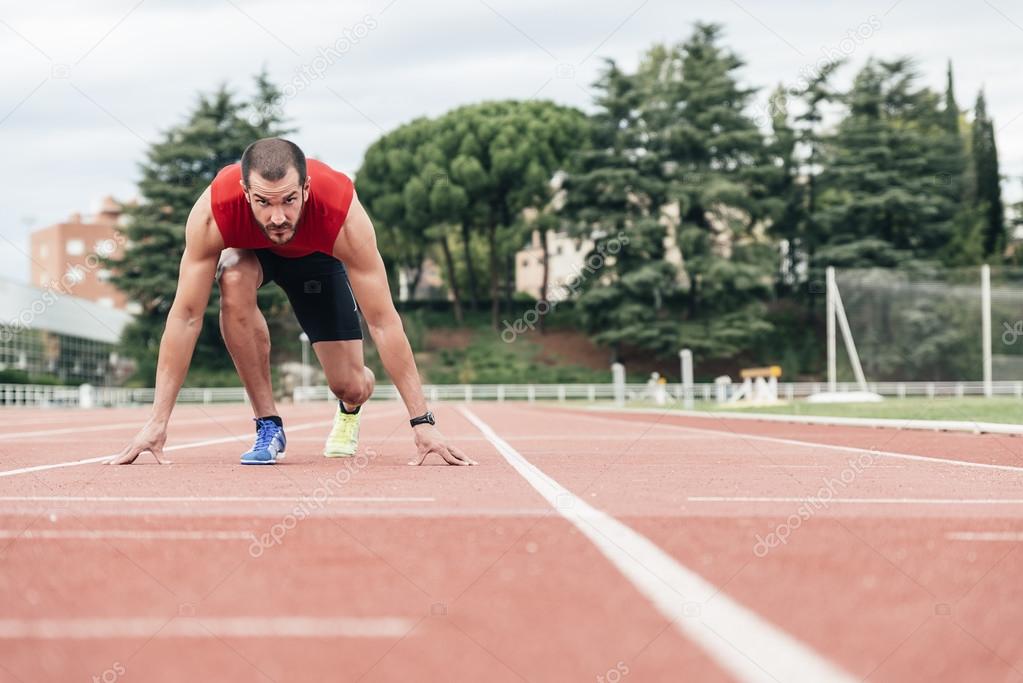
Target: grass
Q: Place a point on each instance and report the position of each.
(999, 409)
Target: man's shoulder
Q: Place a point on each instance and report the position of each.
(202, 229)
(226, 186)
(330, 186)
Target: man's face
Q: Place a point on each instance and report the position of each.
(277, 205)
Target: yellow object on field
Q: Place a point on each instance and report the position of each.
(769, 371)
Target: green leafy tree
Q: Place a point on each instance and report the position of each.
(467, 177)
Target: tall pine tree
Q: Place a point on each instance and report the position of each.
(176, 171)
(988, 192)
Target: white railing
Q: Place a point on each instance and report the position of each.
(41, 395)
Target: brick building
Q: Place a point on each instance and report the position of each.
(65, 256)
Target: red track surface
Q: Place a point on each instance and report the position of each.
(462, 574)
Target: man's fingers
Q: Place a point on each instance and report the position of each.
(125, 457)
(449, 455)
(422, 458)
(133, 451)
(460, 454)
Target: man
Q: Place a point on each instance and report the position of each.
(275, 216)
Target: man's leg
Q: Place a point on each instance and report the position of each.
(244, 328)
(352, 382)
(347, 376)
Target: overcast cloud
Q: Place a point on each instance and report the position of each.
(86, 86)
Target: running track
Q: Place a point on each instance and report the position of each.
(585, 546)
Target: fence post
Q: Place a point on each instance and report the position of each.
(985, 326)
(618, 378)
(531, 393)
(686, 358)
(86, 396)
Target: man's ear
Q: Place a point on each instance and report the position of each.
(241, 182)
(305, 188)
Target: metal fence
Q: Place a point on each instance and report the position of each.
(65, 396)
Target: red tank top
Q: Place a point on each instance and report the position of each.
(330, 196)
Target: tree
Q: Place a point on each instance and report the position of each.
(988, 192)
(176, 171)
(613, 196)
(890, 180)
(471, 172)
(675, 154)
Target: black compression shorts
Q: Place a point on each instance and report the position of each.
(317, 287)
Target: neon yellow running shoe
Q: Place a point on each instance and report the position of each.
(344, 436)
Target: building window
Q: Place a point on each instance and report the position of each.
(74, 275)
(75, 247)
(105, 247)
(44, 251)
(103, 275)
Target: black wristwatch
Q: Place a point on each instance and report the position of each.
(424, 419)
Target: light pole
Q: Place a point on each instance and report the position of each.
(304, 338)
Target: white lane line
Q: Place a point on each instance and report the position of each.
(1011, 536)
(739, 640)
(95, 428)
(179, 447)
(857, 501)
(216, 499)
(325, 513)
(205, 627)
(814, 444)
(126, 534)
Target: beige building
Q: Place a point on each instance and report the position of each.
(567, 258)
(66, 257)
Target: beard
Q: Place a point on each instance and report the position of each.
(279, 234)
(282, 233)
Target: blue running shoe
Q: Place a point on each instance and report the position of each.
(269, 446)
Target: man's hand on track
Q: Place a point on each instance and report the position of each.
(149, 439)
(430, 440)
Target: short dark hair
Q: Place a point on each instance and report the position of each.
(271, 158)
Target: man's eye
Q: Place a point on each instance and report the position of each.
(290, 200)
(262, 202)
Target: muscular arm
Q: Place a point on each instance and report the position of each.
(356, 246)
(203, 245)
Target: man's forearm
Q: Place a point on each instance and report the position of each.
(396, 355)
(176, 348)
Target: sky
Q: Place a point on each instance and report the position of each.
(87, 87)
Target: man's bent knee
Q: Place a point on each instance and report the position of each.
(239, 276)
(353, 387)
